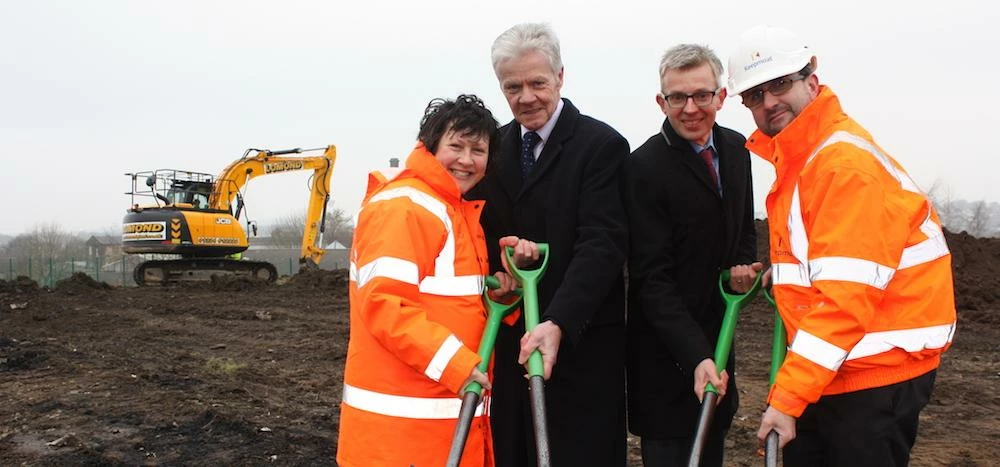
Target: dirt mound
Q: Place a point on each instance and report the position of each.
(21, 285)
(976, 262)
(80, 283)
(320, 279)
(223, 283)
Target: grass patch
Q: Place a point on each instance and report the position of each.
(224, 366)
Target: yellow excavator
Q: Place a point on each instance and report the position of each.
(190, 216)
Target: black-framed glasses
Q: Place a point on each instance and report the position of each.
(679, 99)
(775, 87)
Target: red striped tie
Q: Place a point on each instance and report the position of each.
(707, 155)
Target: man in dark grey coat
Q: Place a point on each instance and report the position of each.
(690, 205)
(558, 182)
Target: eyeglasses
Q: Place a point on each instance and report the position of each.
(775, 87)
(679, 99)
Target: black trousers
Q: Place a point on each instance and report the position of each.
(675, 452)
(874, 427)
(585, 402)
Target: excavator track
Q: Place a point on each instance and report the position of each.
(201, 270)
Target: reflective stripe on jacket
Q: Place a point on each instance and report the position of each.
(416, 270)
(862, 274)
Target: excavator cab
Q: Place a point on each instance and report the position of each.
(171, 188)
(195, 193)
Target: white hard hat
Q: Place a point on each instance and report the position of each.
(766, 53)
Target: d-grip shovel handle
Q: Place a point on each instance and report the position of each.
(779, 346)
(529, 279)
(495, 313)
(734, 302)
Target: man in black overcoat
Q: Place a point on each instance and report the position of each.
(559, 185)
(690, 205)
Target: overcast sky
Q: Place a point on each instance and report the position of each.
(92, 90)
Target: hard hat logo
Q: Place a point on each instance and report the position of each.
(758, 62)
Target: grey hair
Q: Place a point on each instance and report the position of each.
(524, 38)
(687, 56)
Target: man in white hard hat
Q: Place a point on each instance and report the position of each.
(861, 271)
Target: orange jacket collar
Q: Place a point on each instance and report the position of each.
(422, 164)
(801, 135)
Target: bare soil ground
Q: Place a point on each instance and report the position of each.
(242, 373)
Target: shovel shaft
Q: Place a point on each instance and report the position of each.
(771, 449)
(704, 422)
(538, 418)
(486, 345)
(535, 365)
(725, 343)
(465, 415)
(529, 279)
(779, 346)
(734, 302)
(495, 313)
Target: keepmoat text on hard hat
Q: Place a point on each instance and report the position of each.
(757, 63)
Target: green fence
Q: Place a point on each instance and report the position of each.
(47, 271)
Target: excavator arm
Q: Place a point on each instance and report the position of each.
(236, 175)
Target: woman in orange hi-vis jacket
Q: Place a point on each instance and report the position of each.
(417, 267)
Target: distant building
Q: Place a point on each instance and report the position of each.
(104, 246)
(335, 245)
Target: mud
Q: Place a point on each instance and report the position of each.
(246, 373)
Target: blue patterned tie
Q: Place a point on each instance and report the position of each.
(528, 142)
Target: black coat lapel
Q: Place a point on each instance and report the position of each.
(510, 160)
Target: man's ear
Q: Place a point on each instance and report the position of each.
(722, 97)
(661, 102)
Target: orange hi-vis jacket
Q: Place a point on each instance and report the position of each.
(861, 272)
(417, 316)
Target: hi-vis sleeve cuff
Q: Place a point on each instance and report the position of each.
(458, 368)
(786, 402)
(448, 349)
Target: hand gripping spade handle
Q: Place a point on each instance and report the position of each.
(779, 345)
(529, 279)
(495, 313)
(734, 302)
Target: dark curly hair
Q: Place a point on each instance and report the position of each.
(466, 115)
